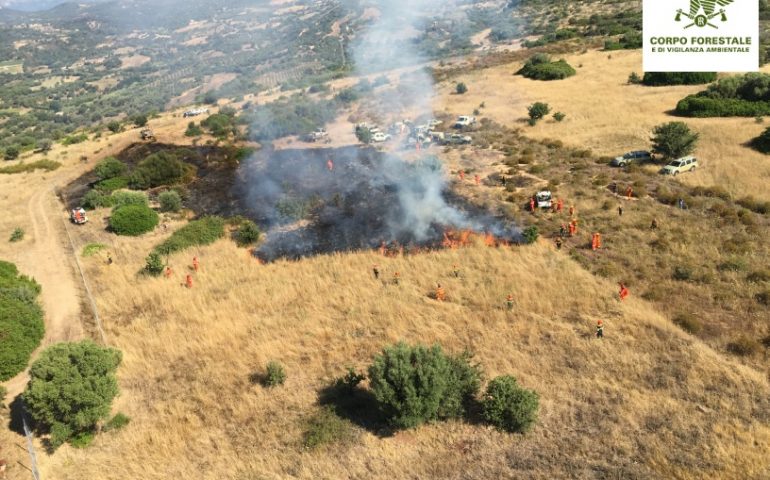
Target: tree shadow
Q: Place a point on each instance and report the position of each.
(357, 405)
(16, 413)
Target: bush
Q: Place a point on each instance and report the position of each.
(759, 276)
(738, 96)
(117, 422)
(744, 346)
(540, 67)
(125, 198)
(508, 406)
(205, 231)
(17, 235)
(133, 220)
(327, 427)
(756, 206)
(140, 120)
(162, 168)
(193, 130)
(559, 116)
(110, 167)
(634, 79)
(275, 374)
(21, 320)
(71, 388)
(538, 110)
(112, 184)
(682, 273)
(673, 140)
(95, 199)
(658, 79)
(220, 125)
(248, 233)
(763, 298)
(689, 323)
(170, 201)
(530, 234)
(413, 385)
(114, 126)
(461, 88)
(154, 264)
(92, 249)
(11, 153)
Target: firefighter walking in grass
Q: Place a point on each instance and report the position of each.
(599, 329)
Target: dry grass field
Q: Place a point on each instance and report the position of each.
(610, 117)
(646, 402)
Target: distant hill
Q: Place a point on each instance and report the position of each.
(35, 5)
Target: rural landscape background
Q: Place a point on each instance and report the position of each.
(278, 192)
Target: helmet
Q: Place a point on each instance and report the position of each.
(599, 322)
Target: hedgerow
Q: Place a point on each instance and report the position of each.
(21, 320)
(205, 231)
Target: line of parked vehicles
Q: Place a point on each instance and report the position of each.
(423, 134)
(675, 167)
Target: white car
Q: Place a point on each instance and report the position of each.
(464, 121)
(544, 199)
(680, 165)
(380, 137)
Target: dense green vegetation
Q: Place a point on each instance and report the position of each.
(162, 168)
(47, 165)
(737, 96)
(658, 79)
(414, 385)
(21, 320)
(541, 67)
(133, 220)
(673, 140)
(71, 389)
(204, 231)
(508, 406)
(762, 142)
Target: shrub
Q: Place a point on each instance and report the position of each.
(634, 79)
(559, 116)
(763, 298)
(95, 199)
(110, 167)
(71, 388)
(275, 374)
(682, 273)
(327, 427)
(540, 67)
(538, 110)
(193, 130)
(114, 126)
(738, 96)
(673, 140)
(154, 264)
(21, 320)
(205, 231)
(117, 422)
(133, 220)
(170, 201)
(530, 234)
(17, 235)
(657, 79)
(92, 249)
(248, 233)
(689, 323)
(508, 406)
(759, 276)
(112, 184)
(413, 385)
(756, 206)
(47, 165)
(140, 120)
(461, 88)
(162, 168)
(363, 134)
(220, 125)
(11, 153)
(125, 198)
(744, 346)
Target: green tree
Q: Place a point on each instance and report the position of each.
(154, 264)
(71, 388)
(674, 140)
(762, 142)
(461, 88)
(538, 110)
(21, 320)
(508, 406)
(531, 234)
(170, 201)
(248, 233)
(110, 167)
(417, 384)
(363, 134)
(44, 145)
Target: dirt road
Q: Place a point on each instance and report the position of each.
(48, 259)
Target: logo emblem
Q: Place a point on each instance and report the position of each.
(703, 11)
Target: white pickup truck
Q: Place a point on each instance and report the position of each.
(464, 121)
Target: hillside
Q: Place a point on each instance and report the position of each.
(648, 401)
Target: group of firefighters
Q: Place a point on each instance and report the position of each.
(188, 282)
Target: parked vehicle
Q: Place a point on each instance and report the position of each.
(146, 134)
(78, 216)
(631, 157)
(680, 165)
(457, 139)
(318, 135)
(464, 121)
(544, 199)
(380, 137)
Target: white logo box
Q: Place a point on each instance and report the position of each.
(701, 35)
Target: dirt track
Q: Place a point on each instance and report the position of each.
(48, 259)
